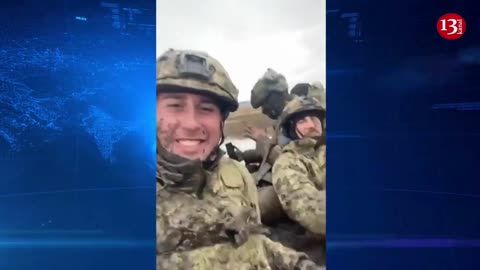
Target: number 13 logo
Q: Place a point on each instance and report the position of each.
(451, 26)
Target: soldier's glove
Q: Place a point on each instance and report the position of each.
(239, 226)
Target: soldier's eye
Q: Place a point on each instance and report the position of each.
(207, 108)
(174, 105)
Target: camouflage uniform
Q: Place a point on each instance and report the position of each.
(282, 228)
(299, 173)
(207, 211)
(271, 148)
(299, 181)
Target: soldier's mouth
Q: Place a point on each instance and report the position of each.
(189, 142)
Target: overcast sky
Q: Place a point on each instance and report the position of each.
(249, 36)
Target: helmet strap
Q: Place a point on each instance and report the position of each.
(299, 134)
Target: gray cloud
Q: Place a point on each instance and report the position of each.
(249, 36)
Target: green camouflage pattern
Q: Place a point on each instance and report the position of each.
(271, 81)
(314, 89)
(299, 179)
(194, 233)
(317, 91)
(258, 252)
(181, 216)
(218, 84)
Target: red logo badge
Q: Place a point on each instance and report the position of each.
(451, 26)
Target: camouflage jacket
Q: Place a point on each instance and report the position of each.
(189, 230)
(299, 181)
(258, 252)
(186, 222)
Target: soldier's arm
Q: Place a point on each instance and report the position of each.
(274, 154)
(299, 197)
(266, 147)
(271, 147)
(263, 145)
(270, 206)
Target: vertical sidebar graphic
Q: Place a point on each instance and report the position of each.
(77, 142)
(402, 188)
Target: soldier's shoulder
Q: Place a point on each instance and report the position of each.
(227, 162)
(229, 169)
(285, 158)
(291, 147)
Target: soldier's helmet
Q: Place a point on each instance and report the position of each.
(270, 82)
(318, 91)
(196, 72)
(300, 105)
(315, 89)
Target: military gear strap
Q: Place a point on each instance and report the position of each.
(262, 171)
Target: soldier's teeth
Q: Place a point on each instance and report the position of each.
(189, 142)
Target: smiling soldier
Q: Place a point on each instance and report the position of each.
(207, 205)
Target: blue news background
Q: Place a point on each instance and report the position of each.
(404, 189)
(77, 134)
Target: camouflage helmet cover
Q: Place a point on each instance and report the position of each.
(318, 91)
(271, 81)
(315, 89)
(198, 72)
(300, 104)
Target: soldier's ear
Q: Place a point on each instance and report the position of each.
(222, 137)
(298, 134)
(293, 132)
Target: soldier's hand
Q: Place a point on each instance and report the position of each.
(241, 225)
(254, 133)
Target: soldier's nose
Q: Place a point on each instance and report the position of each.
(189, 120)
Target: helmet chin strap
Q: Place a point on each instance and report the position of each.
(222, 139)
(299, 134)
